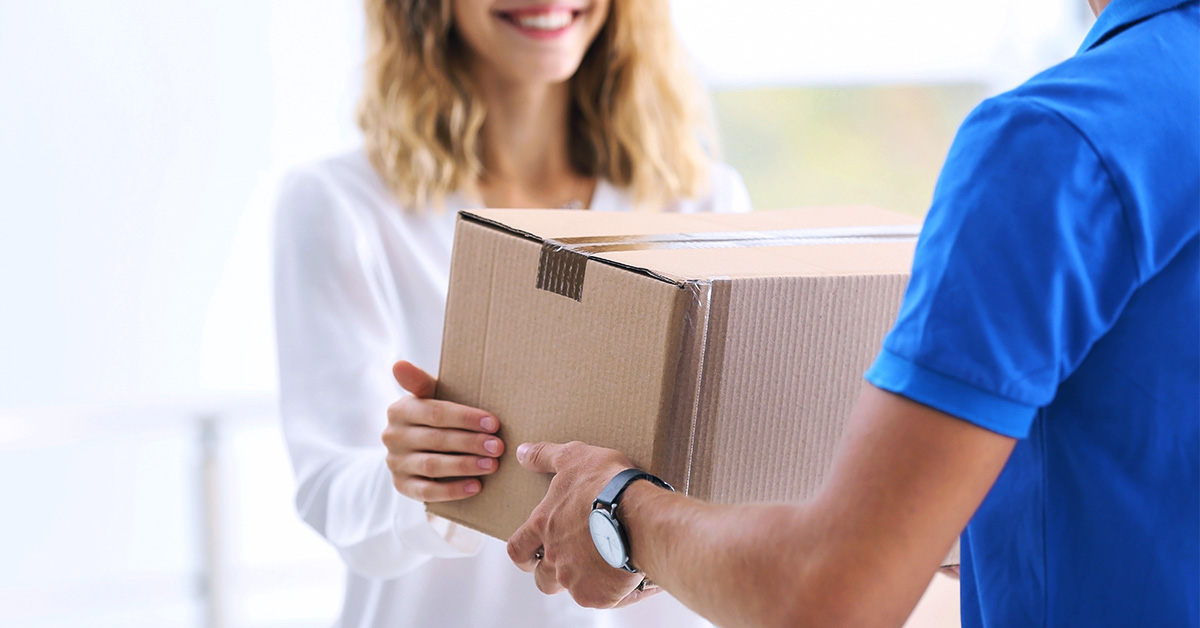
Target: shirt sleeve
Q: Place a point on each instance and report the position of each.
(337, 342)
(1025, 260)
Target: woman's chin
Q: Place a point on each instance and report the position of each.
(546, 71)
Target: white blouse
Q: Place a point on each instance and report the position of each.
(359, 284)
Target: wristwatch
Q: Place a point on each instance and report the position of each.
(607, 533)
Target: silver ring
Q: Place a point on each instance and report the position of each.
(539, 553)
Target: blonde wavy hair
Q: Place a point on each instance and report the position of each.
(638, 117)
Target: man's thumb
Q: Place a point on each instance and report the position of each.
(539, 457)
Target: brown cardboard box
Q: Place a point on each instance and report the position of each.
(722, 352)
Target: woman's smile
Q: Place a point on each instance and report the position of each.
(541, 21)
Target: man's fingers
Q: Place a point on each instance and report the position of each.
(414, 380)
(636, 596)
(546, 578)
(524, 545)
(540, 457)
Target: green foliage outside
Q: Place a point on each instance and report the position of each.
(882, 146)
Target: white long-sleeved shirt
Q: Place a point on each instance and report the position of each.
(359, 284)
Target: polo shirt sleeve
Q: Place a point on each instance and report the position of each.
(1024, 261)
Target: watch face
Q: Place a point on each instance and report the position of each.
(607, 539)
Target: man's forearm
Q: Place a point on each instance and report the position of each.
(860, 553)
(903, 483)
(758, 565)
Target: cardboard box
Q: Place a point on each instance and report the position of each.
(722, 352)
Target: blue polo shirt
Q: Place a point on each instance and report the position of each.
(1055, 298)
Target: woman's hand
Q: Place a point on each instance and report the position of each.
(437, 449)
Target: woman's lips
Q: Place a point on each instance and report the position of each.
(541, 22)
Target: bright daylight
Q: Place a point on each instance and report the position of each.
(599, 313)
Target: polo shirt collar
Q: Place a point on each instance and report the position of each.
(1121, 13)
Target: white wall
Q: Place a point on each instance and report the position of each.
(772, 42)
(134, 135)
(140, 141)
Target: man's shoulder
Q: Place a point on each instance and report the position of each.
(1134, 98)
(1123, 115)
(1143, 81)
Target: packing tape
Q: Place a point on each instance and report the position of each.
(563, 262)
(696, 388)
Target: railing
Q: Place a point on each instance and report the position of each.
(172, 513)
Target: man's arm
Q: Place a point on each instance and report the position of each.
(904, 482)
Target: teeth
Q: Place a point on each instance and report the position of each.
(549, 21)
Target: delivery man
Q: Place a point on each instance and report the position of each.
(1041, 388)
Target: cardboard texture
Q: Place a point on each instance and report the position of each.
(722, 352)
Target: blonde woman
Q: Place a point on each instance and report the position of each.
(466, 103)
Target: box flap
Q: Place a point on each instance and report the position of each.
(543, 224)
(681, 247)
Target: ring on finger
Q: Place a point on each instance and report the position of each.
(539, 553)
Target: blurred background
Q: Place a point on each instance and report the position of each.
(142, 473)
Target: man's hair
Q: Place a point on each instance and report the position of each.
(638, 118)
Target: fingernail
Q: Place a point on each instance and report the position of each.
(492, 445)
(488, 424)
(471, 488)
(486, 463)
(522, 450)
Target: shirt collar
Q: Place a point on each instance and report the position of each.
(1121, 13)
(605, 198)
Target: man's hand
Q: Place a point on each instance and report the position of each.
(902, 485)
(436, 448)
(557, 530)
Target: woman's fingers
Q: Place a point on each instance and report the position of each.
(427, 439)
(441, 414)
(436, 448)
(435, 466)
(438, 477)
(425, 490)
(414, 380)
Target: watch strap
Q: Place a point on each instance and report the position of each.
(621, 481)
